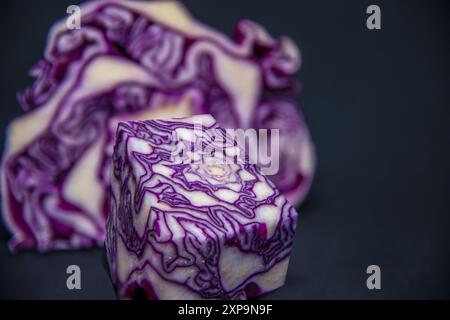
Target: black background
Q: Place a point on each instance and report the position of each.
(377, 103)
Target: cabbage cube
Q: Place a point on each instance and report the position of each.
(186, 222)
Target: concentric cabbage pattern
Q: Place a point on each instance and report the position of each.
(135, 60)
(203, 229)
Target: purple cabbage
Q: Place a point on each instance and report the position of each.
(135, 61)
(190, 225)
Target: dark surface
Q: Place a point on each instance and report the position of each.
(377, 103)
